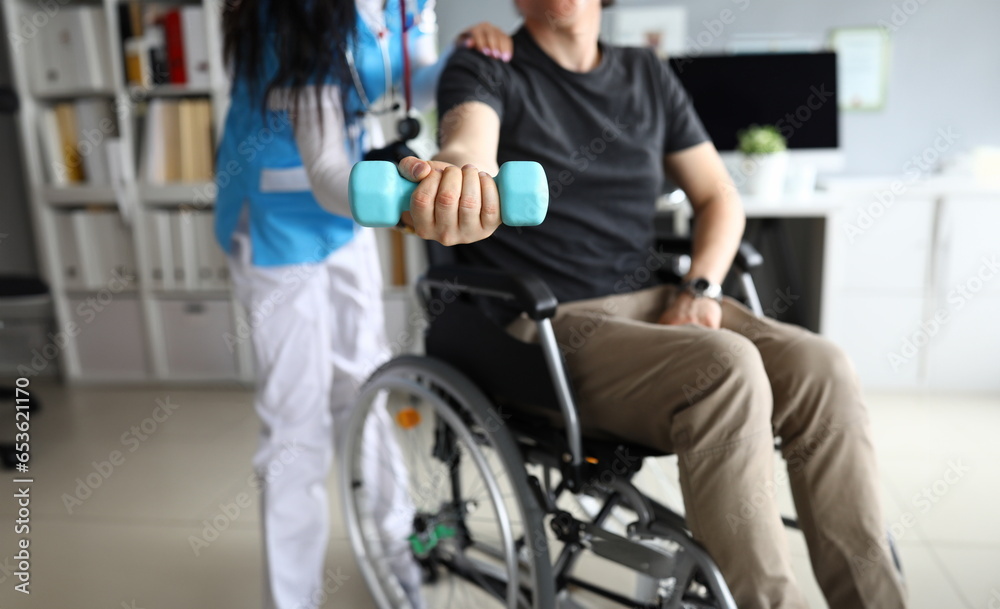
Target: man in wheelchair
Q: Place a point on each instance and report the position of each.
(675, 368)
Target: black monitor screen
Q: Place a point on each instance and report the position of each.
(797, 92)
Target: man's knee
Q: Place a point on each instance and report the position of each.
(728, 392)
(817, 360)
(819, 381)
(724, 360)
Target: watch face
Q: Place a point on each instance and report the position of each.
(703, 287)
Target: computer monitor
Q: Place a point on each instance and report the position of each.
(797, 92)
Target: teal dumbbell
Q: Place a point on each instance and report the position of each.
(379, 195)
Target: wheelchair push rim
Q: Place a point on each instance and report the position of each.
(464, 532)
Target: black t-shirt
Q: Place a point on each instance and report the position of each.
(601, 137)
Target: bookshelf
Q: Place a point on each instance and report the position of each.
(118, 318)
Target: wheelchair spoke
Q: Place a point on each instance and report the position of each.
(465, 515)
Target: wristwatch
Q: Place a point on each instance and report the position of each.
(699, 287)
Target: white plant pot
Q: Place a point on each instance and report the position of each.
(765, 174)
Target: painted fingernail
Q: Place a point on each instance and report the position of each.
(419, 169)
(507, 56)
(468, 166)
(483, 174)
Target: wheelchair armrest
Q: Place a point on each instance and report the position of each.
(747, 256)
(529, 293)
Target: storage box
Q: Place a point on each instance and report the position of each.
(194, 337)
(109, 336)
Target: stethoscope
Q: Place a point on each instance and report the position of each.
(390, 87)
(408, 127)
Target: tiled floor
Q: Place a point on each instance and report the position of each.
(127, 541)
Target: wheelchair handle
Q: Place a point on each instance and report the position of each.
(379, 195)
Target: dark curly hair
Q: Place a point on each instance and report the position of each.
(310, 39)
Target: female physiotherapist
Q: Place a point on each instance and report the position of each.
(306, 74)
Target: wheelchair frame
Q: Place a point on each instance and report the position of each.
(685, 575)
(577, 472)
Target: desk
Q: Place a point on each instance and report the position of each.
(794, 234)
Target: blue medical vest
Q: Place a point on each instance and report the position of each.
(292, 227)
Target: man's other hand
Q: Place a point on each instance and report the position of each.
(451, 205)
(686, 309)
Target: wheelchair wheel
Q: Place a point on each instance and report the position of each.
(436, 498)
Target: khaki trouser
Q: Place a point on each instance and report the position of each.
(717, 398)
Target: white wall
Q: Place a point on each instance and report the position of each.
(945, 66)
(456, 15)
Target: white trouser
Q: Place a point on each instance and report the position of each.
(317, 332)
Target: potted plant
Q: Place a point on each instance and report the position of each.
(765, 162)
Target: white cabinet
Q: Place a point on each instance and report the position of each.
(883, 250)
(878, 257)
(914, 293)
(964, 354)
(969, 246)
(870, 329)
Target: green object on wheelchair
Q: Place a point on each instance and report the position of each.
(423, 543)
(379, 195)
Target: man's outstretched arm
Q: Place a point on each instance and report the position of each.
(456, 200)
(470, 134)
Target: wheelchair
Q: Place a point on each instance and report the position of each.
(502, 493)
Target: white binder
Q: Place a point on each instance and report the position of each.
(195, 46)
(72, 53)
(86, 228)
(184, 251)
(153, 146)
(113, 242)
(95, 126)
(69, 254)
(161, 251)
(201, 224)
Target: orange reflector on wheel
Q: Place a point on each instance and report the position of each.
(591, 460)
(408, 417)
